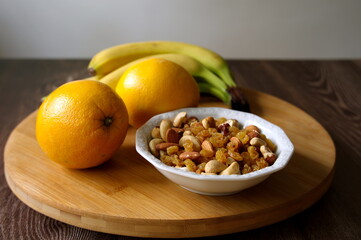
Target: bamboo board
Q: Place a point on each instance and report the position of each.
(127, 196)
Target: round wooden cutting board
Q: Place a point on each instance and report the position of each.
(128, 196)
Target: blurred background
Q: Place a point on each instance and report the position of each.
(244, 29)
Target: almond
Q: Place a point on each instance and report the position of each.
(172, 136)
(164, 145)
(189, 155)
(207, 145)
(253, 134)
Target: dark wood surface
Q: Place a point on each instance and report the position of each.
(330, 91)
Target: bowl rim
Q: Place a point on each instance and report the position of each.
(141, 144)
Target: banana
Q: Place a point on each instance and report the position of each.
(195, 68)
(205, 87)
(207, 81)
(114, 57)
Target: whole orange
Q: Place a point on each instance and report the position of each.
(154, 86)
(81, 124)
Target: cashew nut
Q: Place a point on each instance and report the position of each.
(256, 141)
(156, 132)
(163, 128)
(193, 139)
(229, 161)
(231, 169)
(214, 166)
(180, 119)
(264, 149)
(208, 122)
(268, 155)
(152, 145)
(232, 123)
(187, 132)
(204, 173)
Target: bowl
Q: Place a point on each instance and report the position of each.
(216, 184)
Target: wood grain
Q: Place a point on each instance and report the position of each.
(127, 196)
(327, 90)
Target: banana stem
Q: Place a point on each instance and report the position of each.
(238, 100)
(224, 96)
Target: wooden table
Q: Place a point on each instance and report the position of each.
(327, 90)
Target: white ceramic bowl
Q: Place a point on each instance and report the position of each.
(217, 184)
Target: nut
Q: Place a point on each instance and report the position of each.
(214, 166)
(164, 126)
(164, 145)
(204, 173)
(231, 169)
(180, 119)
(256, 141)
(193, 139)
(152, 146)
(187, 132)
(268, 155)
(208, 122)
(172, 136)
(232, 123)
(156, 132)
(191, 119)
(224, 128)
(229, 161)
(189, 155)
(252, 134)
(207, 145)
(264, 149)
(252, 128)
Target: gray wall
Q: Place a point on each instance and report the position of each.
(245, 29)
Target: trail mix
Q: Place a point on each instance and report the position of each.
(211, 146)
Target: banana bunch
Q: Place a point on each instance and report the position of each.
(207, 67)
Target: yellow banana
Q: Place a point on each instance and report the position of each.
(112, 58)
(194, 67)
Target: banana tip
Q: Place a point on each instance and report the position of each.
(92, 71)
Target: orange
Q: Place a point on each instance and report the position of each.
(81, 124)
(154, 86)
